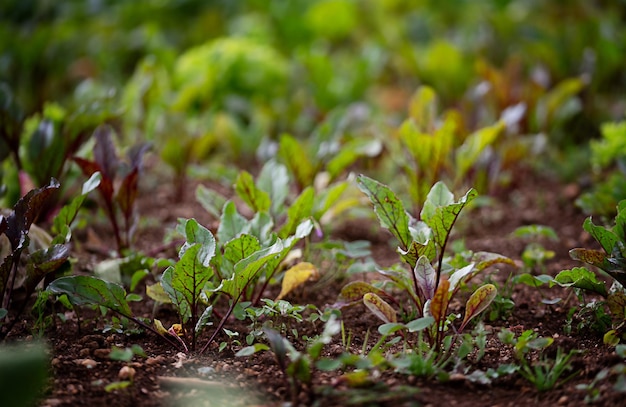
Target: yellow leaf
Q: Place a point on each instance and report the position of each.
(296, 276)
(156, 292)
(158, 325)
(439, 302)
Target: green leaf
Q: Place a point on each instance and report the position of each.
(420, 324)
(274, 180)
(24, 371)
(87, 290)
(440, 212)
(607, 239)
(248, 270)
(616, 301)
(301, 208)
(388, 208)
(198, 234)
(211, 200)
(68, 213)
(232, 224)
(388, 329)
(240, 248)
(380, 308)
(478, 302)
(296, 159)
(417, 250)
(251, 350)
(423, 107)
(580, 277)
(257, 199)
(469, 152)
(184, 281)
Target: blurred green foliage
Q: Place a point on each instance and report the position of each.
(221, 79)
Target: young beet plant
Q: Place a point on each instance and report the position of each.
(118, 197)
(612, 261)
(430, 282)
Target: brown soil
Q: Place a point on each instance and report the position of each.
(170, 378)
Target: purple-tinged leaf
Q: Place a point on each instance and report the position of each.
(478, 302)
(43, 262)
(355, 291)
(425, 276)
(104, 151)
(127, 193)
(25, 212)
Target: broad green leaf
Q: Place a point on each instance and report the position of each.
(184, 281)
(198, 234)
(87, 290)
(440, 212)
(301, 208)
(478, 302)
(255, 198)
(355, 291)
(274, 179)
(425, 276)
(582, 278)
(232, 224)
(68, 213)
(296, 159)
(607, 239)
(469, 152)
(417, 250)
(420, 324)
(388, 208)
(380, 308)
(297, 276)
(350, 152)
(240, 248)
(439, 303)
(211, 200)
(248, 269)
(535, 231)
(262, 226)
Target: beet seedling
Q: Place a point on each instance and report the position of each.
(430, 282)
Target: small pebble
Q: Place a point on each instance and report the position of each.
(563, 400)
(126, 373)
(102, 353)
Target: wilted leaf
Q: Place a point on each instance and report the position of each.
(439, 303)
(379, 307)
(156, 292)
(388, 208)
(296, 276)
(355, 291)
(616, 302)
(478, 302)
